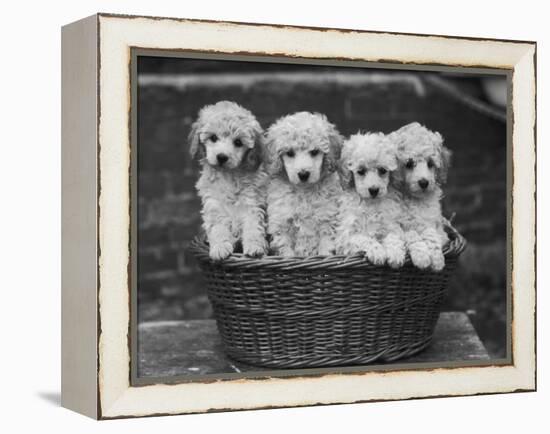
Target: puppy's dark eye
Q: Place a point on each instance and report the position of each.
(314, 152)
(213, 138)
(238, 143)
(409, 164)
(290, 153)
(382, 171)
(362, 171)
(431, 163)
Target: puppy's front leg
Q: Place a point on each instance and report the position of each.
(254, 241)
(221, 242)
(418, 249)
(433, 240)
(218, 230)
(394, 244)
(374, 251)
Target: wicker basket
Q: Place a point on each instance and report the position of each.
(323, 311)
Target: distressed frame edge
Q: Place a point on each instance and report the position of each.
(304, 27)
(80, 181)
(528, 385)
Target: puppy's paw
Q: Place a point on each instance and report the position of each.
(438, 260)
(219, 251)
(396, 257)
(420, 258)
(375, 253)
(255, 249)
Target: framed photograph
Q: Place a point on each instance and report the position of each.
(261, 216)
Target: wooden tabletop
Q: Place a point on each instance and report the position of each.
(170, 348)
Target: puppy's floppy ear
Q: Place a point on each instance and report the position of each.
(252, 159)
(395, 166)
(195, 146)
(270, 153)
(345, 174)
(332, 157)
(445, 158)
(258, 133)
(397, 180)
(391, 153)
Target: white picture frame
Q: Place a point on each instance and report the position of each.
(96, 157)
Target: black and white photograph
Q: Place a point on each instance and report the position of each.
(239, 216)
(317, 216)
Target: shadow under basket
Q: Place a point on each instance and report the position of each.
(323, 311)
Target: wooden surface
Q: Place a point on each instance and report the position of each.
(171, 348)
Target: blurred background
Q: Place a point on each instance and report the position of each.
(468, 110)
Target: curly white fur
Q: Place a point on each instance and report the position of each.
(227, 140)
(423, 164)
(371, 209)
(301, 152)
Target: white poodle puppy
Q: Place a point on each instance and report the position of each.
(226, 138)
(370, 208)
(423, 165)
(301, 152)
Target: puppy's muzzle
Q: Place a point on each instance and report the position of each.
(373, 191)
(303, 175)
(423, 183)
(222, 159)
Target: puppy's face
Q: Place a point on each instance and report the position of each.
(371, 180)
(304, 145)
(423, 160)
(303, 166)
(225, 136)
(225, 148)
(419, 174)
(367, 164)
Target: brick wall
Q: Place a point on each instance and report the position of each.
(170, 286)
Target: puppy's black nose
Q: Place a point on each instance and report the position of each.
(423, 183)
(222, 158)
(303, 175)
(374, 191)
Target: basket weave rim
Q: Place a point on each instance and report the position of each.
(199, 247)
